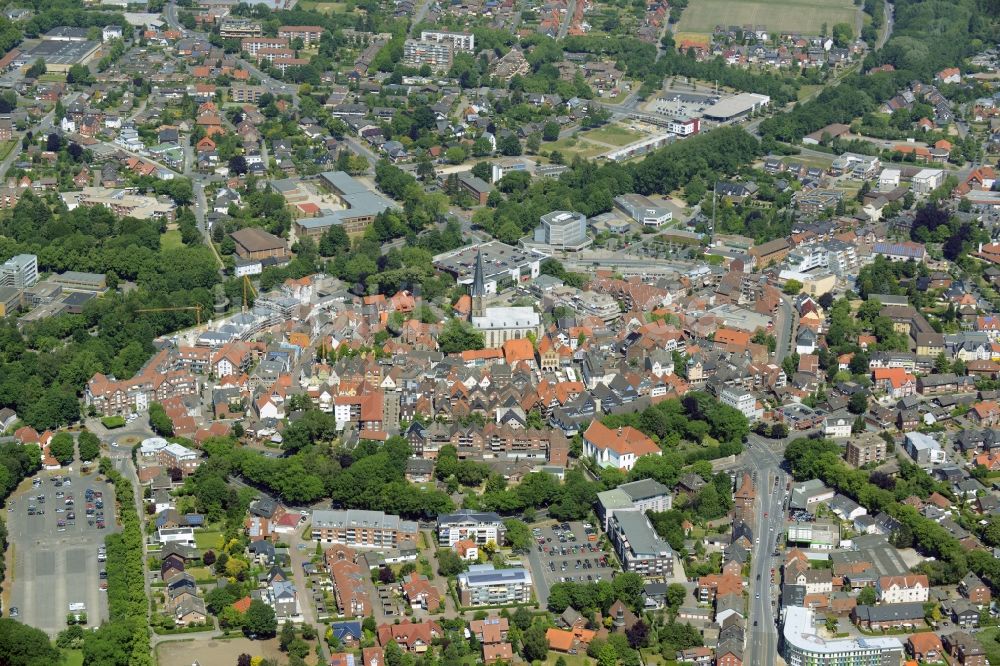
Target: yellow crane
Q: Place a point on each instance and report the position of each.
(197, 311)
(247, 288)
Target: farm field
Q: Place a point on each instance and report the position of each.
(804, 16)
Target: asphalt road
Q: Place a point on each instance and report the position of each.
(53, 569)
(784, 323)
(762, 642)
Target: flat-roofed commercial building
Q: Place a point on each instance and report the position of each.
(80, 281)
(483, 585)
(59, 55)
(804, 647)
(503, 265)
(562, 229)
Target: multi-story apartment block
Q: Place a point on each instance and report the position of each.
(237, 28)
(466, 524)
(309, 34)
(254, 44)
(460, 41)
(361, 529)
(483, 585)
(19, 272)
(638, 546)
(864, 450)
(154, 383)
(419, 52)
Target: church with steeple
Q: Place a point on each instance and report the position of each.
(498, 325)
(478, 289)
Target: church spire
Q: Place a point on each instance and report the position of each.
(478, 289)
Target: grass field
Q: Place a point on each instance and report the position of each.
(324, 7)
(72, 658)
(616, 135)
(805, 16)
(171, 240)
(581, 148)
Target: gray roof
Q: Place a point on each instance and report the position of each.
(644, 489)
(481, 575)
(641, 537)
(322, 518)
(468, 515)
(890, 612)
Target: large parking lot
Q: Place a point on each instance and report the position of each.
(55, 557)
(564, 553)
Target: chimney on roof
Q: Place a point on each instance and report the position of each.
(619, 431)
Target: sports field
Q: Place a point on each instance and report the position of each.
(803, 16)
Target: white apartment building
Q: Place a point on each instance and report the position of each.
(903, 589)
(459, 41)
(468, 525)
(742, 401)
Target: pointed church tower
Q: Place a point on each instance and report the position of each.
(478, 289)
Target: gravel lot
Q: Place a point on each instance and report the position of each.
(53, 566)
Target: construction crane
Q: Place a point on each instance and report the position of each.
(247, 288)
(197, 311)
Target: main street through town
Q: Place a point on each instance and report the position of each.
(765, 463)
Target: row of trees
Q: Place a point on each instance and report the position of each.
(124, 640)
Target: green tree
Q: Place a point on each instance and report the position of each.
(36, 69)
(89, 445)
(159, 421)
(509, 145)
(458, 336)
(792, 287)
(21, 645)
(518, 535)
(535, 646)
(449, 563)
(260, 621)
(550, 131)
(62, 448)
(858, 403)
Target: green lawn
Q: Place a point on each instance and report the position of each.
(171, 240)
(571, 659)
(208, 539)
(807, 91)
(72, 658)
(112, 422)
(616, 135)
(805, 16)
(988, 637)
